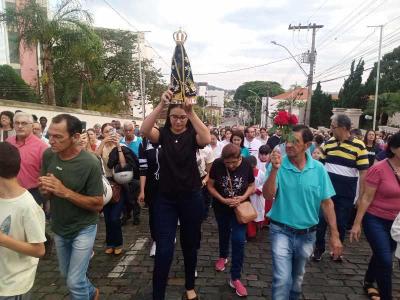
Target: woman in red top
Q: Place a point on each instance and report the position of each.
(378, 207)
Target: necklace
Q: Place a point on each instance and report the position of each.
(395, 168)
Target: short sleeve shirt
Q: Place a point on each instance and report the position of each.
(23, 220)
(386, 203)
(31, 152)
(82, 174)
(178, 165)
(300, 193)
(343, 161)
(241, 178)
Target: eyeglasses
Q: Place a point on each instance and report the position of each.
(177, 117)
(23, 124)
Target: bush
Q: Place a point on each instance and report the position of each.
(13, 87)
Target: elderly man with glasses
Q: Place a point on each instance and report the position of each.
(132, 142)
(31, 149)
(346, 160)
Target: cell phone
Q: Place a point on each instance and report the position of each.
(113, 132)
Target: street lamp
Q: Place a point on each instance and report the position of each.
(309, 83)
(294, 58)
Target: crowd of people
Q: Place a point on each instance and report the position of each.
(60, 174)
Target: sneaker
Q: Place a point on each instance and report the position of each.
(317, 254)
(153, 250)
(220, 264)
(239, 287)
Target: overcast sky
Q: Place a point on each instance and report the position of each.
(228, 34)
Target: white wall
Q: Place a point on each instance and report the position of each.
(215, 98)
(90, 117)
(4, 58)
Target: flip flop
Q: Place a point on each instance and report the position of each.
(371, 291)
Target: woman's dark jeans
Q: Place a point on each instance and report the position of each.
(230, 229)
(150, 198)
(377, 231)
(112, 218)
(189, 208)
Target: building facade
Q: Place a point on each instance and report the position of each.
(25, 60)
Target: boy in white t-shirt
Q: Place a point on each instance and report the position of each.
(22, 228)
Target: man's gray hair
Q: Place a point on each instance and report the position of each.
(128, 124)
(24, 115)
(342, 121)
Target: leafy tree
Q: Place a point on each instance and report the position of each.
(246, 95)
(390, 74)
(33, 26)
(388, 105)
(121, 64)
(13, 87)
(352, 93)
(78, 61)
(321, 108)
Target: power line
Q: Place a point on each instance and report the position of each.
(345, 56)
(336, 78)
(354, 20)
(244, 69)
(316, 11)
(364, 53)
(135, 28)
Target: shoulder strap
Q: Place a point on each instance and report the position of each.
(232, 194)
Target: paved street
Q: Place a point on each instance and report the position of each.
(129, 276)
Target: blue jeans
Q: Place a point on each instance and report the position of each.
(290, 253)
(230, 229)
(112, 218)
(73, 259)
(377, 232)
(189, 208)
(343, 210)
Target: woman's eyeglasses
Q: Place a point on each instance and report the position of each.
(178, 117)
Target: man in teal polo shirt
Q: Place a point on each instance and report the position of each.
(300, 186)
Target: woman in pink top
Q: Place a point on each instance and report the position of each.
(377, 209)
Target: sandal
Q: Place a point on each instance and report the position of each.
(184, 297)
(371, 291)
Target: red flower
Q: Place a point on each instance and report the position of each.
(282, 118)
(293, 120)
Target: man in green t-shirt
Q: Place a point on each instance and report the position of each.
(71, 179)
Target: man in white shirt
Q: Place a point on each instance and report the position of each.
(37, 130)
(263, 138)
(251, 142)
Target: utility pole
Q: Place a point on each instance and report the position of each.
(139, 38)
(378, 75)
(237, 122)
(212, 106)
(267, 110)
(312, 60)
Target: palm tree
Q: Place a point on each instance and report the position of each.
(80, 54)
(34, 27)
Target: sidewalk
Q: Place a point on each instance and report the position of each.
(129, 276)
